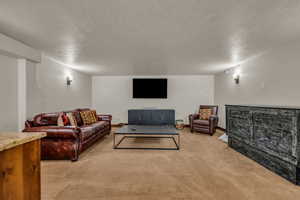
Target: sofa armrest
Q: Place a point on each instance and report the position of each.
(194, 116)
(103, 117)
(213, 118)
(213, 122)
(65, 132)
(29, 123)
(107, 118)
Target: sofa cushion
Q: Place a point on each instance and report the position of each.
(86, 132)
(89, 130)
(99, 125)
(201, 122)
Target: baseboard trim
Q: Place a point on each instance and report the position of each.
(119, 125)
(185, 126)
(123, 124)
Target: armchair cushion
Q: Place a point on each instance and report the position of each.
(205, 113)
(201, 122)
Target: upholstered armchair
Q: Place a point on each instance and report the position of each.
(206, 121)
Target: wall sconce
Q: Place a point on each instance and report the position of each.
(235, 71)
(236, 78)
(69, 81)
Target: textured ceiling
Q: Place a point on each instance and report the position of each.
(151, 37)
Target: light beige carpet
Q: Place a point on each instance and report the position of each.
(205, 168)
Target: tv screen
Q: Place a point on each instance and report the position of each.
(150, 88)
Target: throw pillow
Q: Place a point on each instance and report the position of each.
(205, 114)
(63, 120)
(78, 118)
(60, 121)
(72, 119)
(95, 114)
(88, 117)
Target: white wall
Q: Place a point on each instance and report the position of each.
(8, 94)
(21, 97)
(47, 90)
(16, 49)
(113, 95)
(271, 79)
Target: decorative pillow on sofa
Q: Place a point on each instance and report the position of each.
(205, 114)
(78, 118)
(72, 119)
(60, 121)
(63, 120)
(88, 117)
(95, 114)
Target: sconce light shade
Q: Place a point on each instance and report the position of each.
(69, 81)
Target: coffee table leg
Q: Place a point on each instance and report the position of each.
(177, 143)
(114, 141)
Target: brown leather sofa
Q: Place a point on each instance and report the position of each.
(67, 142)
(205, 126)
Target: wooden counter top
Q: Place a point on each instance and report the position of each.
(9, 140)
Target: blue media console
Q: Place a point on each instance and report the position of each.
(151, 117)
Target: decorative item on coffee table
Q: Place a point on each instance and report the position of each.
(179, 124)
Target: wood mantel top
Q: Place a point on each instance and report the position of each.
(9, 140)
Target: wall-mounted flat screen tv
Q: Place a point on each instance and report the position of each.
(156, 88)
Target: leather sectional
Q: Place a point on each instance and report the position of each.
(67, 142)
